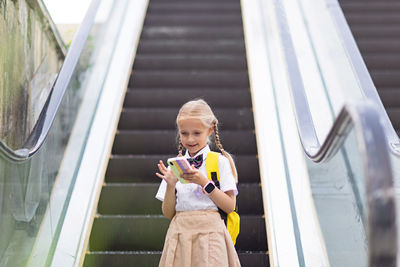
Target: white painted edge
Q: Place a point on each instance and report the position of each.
(281, 239)
(263, 46)
(78, 221)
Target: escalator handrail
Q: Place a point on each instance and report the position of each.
(371, 143)
(49, 111)
(364, 78)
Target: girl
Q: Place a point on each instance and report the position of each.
(197, 236)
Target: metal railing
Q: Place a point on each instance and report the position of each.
(49, 111)
(372, 144)
(364, 78)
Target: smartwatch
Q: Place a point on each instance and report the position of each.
(209, 187)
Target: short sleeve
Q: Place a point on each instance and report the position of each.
(161, 190)
(227, 180)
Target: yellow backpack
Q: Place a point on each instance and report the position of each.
(232, 220)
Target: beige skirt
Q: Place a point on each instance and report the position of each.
(198, 239)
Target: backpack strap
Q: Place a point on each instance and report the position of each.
(212, 167)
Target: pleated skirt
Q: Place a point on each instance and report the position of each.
(198, 239)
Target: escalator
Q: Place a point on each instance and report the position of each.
(375, 27)
(187, 50)
(315, 172)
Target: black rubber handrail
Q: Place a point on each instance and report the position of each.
(49, 111)
(372, 145)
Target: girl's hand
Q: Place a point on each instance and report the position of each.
(166, 174)
(195, 176)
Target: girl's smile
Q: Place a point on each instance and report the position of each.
(193, 134)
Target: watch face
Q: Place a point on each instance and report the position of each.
(209, 188)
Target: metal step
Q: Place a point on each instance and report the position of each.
(151, 258)
(373, 19)
(386, 78)
(195, 7)
(170, 98)
(375, 6)
(390, 97)
(142, 168)
(189, 79)
(139, 198)
(193, 20)
(394, 115)
(190, 62)
(169, 47)
(382, 61)
(147, 233)
(164, 118)
(131, 142)
(381, 45)
(375, 31)
(192, 33)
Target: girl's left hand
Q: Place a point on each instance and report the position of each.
(195, 176)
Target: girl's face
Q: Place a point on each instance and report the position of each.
(193, 135)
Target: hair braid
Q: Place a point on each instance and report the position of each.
(180, 149)
(217, 140)
(226, 154)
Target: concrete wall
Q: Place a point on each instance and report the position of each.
(31, 55)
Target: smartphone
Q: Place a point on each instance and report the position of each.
(179, 166)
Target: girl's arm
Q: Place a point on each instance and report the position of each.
(168, 205)
(224, 200)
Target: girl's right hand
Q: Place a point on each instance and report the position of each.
(166, 174)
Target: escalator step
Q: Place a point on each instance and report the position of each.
(164, 142)
(151, 258)
(142, 168)
(382, 61)
(139, 198)
(381, 45)
(122, 258)
(394, 115)
(219, 47)
(172, 98)
(192, 20)
(164, 118)
(390, 97)
(386, 78)
(374, 32)
(147, 233)
(192, 33)
(373, 19)
(190, 62)
(196, 7)
(189, 79)
(375, 6)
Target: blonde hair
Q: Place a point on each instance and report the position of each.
(199, 109)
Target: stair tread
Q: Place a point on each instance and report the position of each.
(216, 46)
(143, 232)
(164, 141)
(164, 118)
(170, 97)
(117, 199)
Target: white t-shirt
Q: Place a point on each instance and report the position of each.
(190, 196)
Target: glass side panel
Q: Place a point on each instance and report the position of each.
(338, 189)
(34, 195)
(396, 171)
